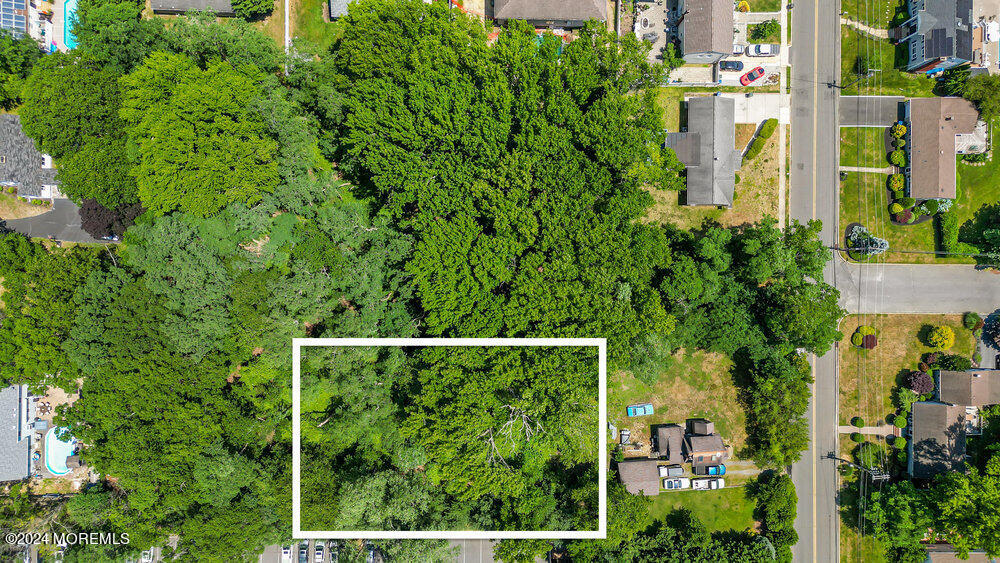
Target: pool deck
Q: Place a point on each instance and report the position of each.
(51, 482)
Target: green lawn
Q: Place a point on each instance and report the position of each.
(864, 199)
(863, 146)
(771, 38)
(764, 5)
(889, 80)
(868, 377)
(309, 24)
(882, 14)
(720, 510)
(978, 186)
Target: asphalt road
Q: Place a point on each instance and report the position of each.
(61, 223)
(813, 194)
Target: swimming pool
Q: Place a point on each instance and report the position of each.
(69, 17)
(56, 452)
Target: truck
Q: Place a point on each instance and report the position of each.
(763, 50)
(708, 484)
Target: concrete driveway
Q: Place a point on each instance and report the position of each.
(771, 65)
(758, 107)
(870, 111)
(916, 288)
(61, 223)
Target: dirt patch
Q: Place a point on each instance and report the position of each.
(744, 134)
(13, 208)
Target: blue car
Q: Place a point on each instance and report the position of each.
(639, 410)
(717, 470)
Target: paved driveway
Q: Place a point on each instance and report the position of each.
(61, 223)
(916, 288)
(473, 551)
(758, 107)
(870, 111)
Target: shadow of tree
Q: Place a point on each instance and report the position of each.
(924, 334)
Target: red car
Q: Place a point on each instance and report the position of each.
(749, 77)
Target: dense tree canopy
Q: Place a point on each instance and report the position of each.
(17, 56)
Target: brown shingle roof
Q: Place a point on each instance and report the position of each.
(938, 439)
(710, 443)
(970, 388)
(668, 442)
(640, 476)
(934, 122)
(545, 10)
(708, 26)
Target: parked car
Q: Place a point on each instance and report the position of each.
(708, 484)
(286, 554)
(749, 77)
(304, 551)
(731, 65)
(763, 50)
(145, 557)
(719, 469)
(671, 471)
(676, 484)
(639, 410)
(738, 49)
(318, 556)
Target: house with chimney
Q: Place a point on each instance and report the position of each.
(705, 29)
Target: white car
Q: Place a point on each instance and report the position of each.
(318, 551)
(763, 50)
(286, 554)
(676, 484)
(738, 49)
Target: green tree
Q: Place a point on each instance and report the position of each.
(17, 57)
(942, 337)
(984, 91)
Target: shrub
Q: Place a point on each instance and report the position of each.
(767, 129)
(764, 30)
(898, 130)
(904, 216)
(953, 362)
(899, 143)
(941, 337)
(756, 146)
(858, 421)
(865, 243)
(978, 157)
(865, 330)
(899, 194)
(912, 218)
(737, 178)
(898, 157)
(930, 207)
(904, 398)
(899, 421)
(857, 437)
(924, 367)
(907, 202)
(978, 333)
(248, 9)
(857, 339)
(869, 342)
(972, 320)
(948, 234)
(897, 182)
(899, 442)
(619, 455)
(895, 208)
(977, 358)
(920, 382)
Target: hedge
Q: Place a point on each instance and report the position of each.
(898, 157)
(948, 235)
(898, 130)
(971, 320)
(758, 142)
(907, 202)
(897, 182)
(767, 129)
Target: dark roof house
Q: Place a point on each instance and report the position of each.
(15, 436)
(938, 439)
(708, 150)
(21, 164)
(700, 426)
(219, 7)
(936, 125)
(939, 34)
(974, 388)
(640, 476)
(705, 30)
(669, 440)
(550, 13)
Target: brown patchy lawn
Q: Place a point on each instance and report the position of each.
(867, 377)
(13, 208)
(756, 192)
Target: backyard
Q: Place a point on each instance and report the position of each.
(720, 510)
(888, 80)
(310, 24)
(868, 377)
(863, 146)
(978, 186)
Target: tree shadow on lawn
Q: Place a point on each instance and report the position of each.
(923, 335)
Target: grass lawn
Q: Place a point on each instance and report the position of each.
(273, 25)
(310, 23)
(864, 199)
(978, 186)
(867, 377)
(13, 208)
(771, 38)
(764, 5)
(882, 14)
(889, 81)
(863, 146)
(720, 510)
(756, 192)
(694, 384)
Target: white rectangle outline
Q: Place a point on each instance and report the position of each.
(602, 425)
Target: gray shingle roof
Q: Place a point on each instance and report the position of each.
(640, 476)
(220, 7)
(708, 150)
(564, 12)
(938, 439)
(970, 388)
(14, 462)
(934, 122)
(707, 26)
(946, 26)
(669, 438)
(338, 8)
(20, 161)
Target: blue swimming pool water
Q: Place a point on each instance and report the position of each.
(69, 16)
(56, 452)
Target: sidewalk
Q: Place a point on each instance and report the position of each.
(884, 430)
(886, 170)
(874, 32)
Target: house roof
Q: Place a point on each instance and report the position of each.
(701, 426)
(946, 26)
(640, 476)
(970, 388)
(708, 27)
(934, 123)
(938, 439)
(708, 150)
(554, 10)
(669, 438)
(710, 443)
(13, 450)
(21, 163)
(338, 8)
(220, 7)
(14, 16)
